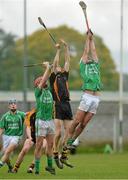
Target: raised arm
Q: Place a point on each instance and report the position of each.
(41, 81)
(86, 50)
(93, 49)
(92, 46)
(67, 55)
(57, 58)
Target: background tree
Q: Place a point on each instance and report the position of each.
(40, 48)
(7, 60)
(125, 78)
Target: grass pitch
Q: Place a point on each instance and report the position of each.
(87, 166)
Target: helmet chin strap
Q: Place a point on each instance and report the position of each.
(13, 110)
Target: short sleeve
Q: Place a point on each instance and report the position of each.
(2, 122)
(38, 92)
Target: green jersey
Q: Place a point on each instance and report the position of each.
(13, 123)
(90, 73)
(44, 104)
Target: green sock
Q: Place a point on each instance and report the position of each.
(70, 141)
(37, 165)
(9, 164)
(49, 161)
(1, 163)
(1, 154)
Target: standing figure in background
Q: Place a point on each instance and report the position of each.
(11, 126)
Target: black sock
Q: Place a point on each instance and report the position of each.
(32, 165)
(64, 153)
(9, 165)
(56, 156)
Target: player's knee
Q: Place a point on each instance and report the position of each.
(25, 150)
(58, 134)
(50, 145)
(73, 126)
(38, 145)
(75, 122)
(7, 152)
(88, 118)
(38, 148)
(82, 125)
(66, 128)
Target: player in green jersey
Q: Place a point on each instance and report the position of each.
(90, 74)
(45, 127)
(11, 126)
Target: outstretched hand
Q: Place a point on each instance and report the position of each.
(90, 34)
(46, 64)
(89, 31)
(63, 42)
(57, 46)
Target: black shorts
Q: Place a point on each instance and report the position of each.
(63, 111)
(33, 138)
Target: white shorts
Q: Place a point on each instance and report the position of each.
(43, 128)
(9, 140)
(89, 103)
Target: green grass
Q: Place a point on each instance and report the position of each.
(87, 166)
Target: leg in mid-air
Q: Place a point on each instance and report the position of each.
(57, 141)
(89, 69)
(72, 135)
(77, 128)
(60, 92)
(64, 152)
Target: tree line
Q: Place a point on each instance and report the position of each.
(40, 48)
